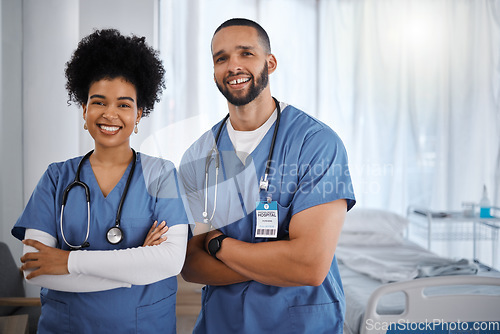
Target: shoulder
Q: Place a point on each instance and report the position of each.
(57, 170)
(300, 126)
(200, 148)
(155, 169)
(151, 162)
(159, 175)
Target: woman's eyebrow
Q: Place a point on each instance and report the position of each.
(126, 98)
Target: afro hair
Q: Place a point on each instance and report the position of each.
(108, 54)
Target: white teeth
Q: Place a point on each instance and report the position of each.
(238, 81)
(110, 128)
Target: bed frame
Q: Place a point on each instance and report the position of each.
(421, 307)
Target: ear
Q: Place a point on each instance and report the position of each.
(272, 63)
(139, 115)
(215, 80)
(84, 107)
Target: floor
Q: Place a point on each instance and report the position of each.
(188, 305)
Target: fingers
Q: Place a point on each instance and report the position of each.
(33, 243)
(158, 241)
(32, 256)
(153, 227)
(150, 232)
(30, 265)
(155, 234)
(35, 273)
(29, 257)
(162, 230)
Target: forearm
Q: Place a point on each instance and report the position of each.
(70, 282)
(76, 283)
(200, 267)
(138, 266)
(304, 259)
(275, 263)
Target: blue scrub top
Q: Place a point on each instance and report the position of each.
(154, 194)
(309, 168)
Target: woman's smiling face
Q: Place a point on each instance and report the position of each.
(111, 112)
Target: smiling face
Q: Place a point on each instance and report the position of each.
(111, 112)
(241, 65)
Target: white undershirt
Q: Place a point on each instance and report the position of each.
(245, 142)
(104, 270)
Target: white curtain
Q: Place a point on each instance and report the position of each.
(411, 86)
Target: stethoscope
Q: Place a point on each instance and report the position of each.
(264, 182)
(115, 233)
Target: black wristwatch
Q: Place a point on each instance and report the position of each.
(214, 245)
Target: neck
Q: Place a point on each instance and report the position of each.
(111, 156)
(252, 115)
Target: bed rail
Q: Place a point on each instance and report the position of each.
(482, 305)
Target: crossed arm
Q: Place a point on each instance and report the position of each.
(86, 271)
(304, 259)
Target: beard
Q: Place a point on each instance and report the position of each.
(256, 87)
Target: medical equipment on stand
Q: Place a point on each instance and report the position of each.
(264, 182)
(115, 234)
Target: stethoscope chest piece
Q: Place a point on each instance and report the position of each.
(114, 235)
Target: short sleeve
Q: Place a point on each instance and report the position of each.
(188, 178)
(163, 183)
(323, 173)
(40, 212)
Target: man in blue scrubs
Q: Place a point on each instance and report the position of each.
(266, 250)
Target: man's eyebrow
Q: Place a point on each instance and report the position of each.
(217, 54)
(244, 47)
(239, 47)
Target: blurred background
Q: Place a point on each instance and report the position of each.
(411, 86)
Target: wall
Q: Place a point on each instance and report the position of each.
(37, 124)
(11, 134)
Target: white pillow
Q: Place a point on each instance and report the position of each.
(368, 221)
(369, 239)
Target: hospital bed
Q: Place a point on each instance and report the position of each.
(390, 281)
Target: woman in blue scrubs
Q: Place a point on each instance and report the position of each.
(115, 272)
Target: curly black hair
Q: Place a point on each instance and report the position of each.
(108, 54)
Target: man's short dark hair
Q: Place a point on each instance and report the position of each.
(263, 37)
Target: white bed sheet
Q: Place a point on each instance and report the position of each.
(390, 263)
(359, 286)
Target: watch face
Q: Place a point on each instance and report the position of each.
(213, 246)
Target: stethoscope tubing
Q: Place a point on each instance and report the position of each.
(73, 184)
(264, 183)
(78, 182)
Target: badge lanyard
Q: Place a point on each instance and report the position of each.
(265, 228)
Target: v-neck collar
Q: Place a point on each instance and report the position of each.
(87, 166)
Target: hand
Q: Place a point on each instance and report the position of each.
(210, 235)
(48, 260)
(155, 233)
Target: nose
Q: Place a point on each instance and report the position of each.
(110, 113)
(234, 66)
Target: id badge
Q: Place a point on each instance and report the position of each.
(267, 219)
